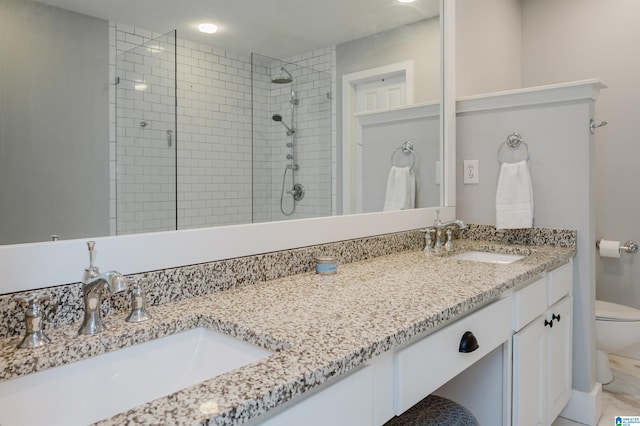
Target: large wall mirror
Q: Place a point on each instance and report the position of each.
(120, 117)
(298, 57)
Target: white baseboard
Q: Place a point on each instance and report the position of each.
(584, 407)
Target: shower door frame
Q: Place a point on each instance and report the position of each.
(163, 124)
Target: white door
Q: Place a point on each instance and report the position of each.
(529, 352)
(381, 93)
(559, 359)
(365, 91)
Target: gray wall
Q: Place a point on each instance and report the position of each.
(507, 44)
(594, 38)
(562, 169)
(419, 42)
(380, 142)
(54, 123)
(488, 46)
(568, 41)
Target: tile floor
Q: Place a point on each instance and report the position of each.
(621, 397)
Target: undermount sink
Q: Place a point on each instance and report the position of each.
(488, 257)
(99, 387)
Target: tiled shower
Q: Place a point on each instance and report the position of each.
(311, 139)
(193, 140)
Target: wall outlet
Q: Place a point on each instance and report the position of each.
(471, 172)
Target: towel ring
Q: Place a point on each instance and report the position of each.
(407, 149)
(514, 140)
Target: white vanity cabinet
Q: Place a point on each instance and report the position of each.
(534, 328)
(542, 348)
(393, 382)
(361, 398)
(431, 362)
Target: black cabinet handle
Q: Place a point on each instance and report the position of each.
(549, 323)
(555, 317)
(468, 343)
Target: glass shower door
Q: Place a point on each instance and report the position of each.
(146, 196)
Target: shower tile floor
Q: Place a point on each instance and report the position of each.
(621, 397)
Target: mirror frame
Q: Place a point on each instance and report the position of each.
(38, 265)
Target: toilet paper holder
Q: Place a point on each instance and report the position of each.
(629, 247)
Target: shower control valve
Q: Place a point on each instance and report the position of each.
(298, 192)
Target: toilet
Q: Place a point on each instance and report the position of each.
(617, 327)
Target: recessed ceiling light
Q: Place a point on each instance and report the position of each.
(155, 48)
(208, 28)
(406, 1)
(139, 86)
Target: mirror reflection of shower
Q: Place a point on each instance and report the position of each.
(278, 117)
(297, 190)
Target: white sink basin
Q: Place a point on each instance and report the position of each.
(93, 389)
(488, 257)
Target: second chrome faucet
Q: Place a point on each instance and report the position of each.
(437, 229)
(93, 285)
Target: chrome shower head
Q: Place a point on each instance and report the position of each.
(284, 77)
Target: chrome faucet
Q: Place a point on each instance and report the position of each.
(92, 294)
(448, 227)
(93, 286)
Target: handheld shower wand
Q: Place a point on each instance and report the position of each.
(278, 117)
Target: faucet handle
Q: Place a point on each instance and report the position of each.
(135, 282)
(139, 310)
(91, 271)
(449, 244)
(33, 318)
(31, 300)
(428, 242)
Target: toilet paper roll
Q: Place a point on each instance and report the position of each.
(610, 249)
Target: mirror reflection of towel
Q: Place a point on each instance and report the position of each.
(514, 197)
(401, 189)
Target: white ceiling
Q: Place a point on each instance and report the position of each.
(278, 28)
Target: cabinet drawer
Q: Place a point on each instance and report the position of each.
(529, 302)
(431, 362)
(560, 282)
(346, 402)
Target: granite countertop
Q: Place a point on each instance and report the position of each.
(318, 326)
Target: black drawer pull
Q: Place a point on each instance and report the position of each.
(548, 323)
(555, 317)
(468, 343)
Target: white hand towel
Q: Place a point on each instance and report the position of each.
(401, 189)
(514, 197)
